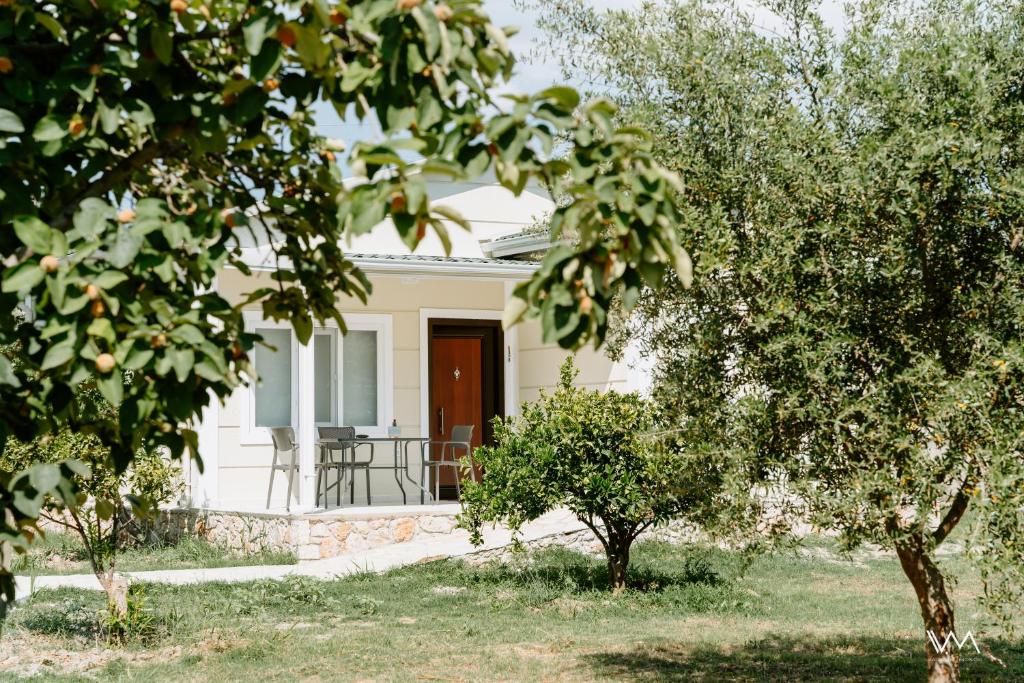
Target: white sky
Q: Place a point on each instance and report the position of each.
(532, 76)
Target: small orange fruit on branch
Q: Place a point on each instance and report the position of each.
(49, 263)
(105, 363)
(286, 36)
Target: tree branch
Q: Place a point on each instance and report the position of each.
(953, 515)
(115, 176)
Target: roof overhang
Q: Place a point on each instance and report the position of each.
(513, 246)
(263, 259)
(447, 267)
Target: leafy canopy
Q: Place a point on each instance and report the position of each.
(604, 456)
(142, 142)
(854, 341)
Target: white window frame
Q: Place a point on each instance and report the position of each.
(332, 334)
(381, 324)
(250, 434)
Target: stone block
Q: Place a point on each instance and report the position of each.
(403, 529)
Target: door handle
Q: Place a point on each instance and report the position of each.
(440, 416)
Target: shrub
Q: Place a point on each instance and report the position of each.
(605, 456)
(115, 506)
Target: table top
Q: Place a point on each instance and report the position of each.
(384, 439)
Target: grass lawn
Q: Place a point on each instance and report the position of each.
(63, 553)
(691, 617)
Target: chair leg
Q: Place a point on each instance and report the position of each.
(337, 486)
(423, 477)
(270, 489)
(319, 476)
(368, 503)
(288, 499)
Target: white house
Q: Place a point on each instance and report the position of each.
(427, 352)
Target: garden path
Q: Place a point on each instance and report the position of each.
(374, 560)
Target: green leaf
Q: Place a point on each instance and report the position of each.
(91, 218)
(255, 32)
(565, 96)
(104, 508)
(109, 279)
(10, 123)
(139, 112)
(27, 505)
(683, 266)
(34, 234)
(44, 477)
(51, 25)
(49, 128)
(22, 277)
(454, 216)
(102, 328)
(515, 309)
(126, 247)
(59, 354)
(264, 63)
(112, 387)
(110, 117)
(182, 361)
(161, 39)
(138, 358)
(7, 375)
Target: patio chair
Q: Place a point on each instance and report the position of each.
(461, 440)
(347, 466)
(284, 442)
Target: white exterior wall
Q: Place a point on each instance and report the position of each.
(239, 469)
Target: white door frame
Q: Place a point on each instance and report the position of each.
(509, 355)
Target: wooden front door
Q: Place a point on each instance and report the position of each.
(457, 386)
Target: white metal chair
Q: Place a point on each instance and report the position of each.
(334, 439)
(284, 442)
(461, 440)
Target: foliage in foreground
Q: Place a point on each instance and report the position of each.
(602, 455)
(854, 345)
(144, 143)
(113, 509)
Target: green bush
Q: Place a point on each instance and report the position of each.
(606, 456)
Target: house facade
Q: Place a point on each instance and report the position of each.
(425, 353)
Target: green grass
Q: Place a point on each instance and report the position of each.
(63, 553)
(690, 616)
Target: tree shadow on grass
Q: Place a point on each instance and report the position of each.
(798, 659)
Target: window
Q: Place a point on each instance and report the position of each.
(351, 377)
(273, 400)
(360, 377)
(325, 377)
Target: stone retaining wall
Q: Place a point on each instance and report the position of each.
(314, 537)
(310, 537)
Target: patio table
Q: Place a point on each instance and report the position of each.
(400, 463)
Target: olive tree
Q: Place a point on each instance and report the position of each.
(140, 140)
(853, 345)
(607, 457)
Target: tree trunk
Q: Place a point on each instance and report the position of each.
(936, 610)
(618, 561)
(116, 588)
